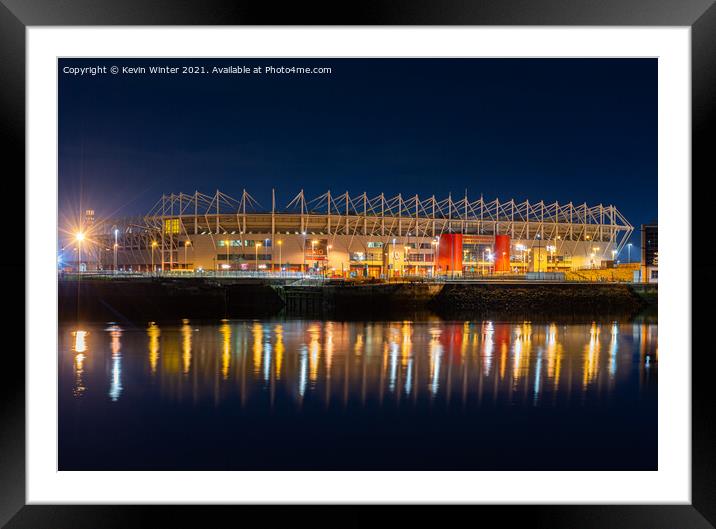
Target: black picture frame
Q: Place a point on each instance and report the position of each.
(699, 15)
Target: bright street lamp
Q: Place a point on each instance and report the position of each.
(258, 245)
(187, 243)
(629, 252)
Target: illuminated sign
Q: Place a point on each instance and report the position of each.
(478, 239)
(316, 249)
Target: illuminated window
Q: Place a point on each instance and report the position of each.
(171, 226)
(235, 243)
(375, 244)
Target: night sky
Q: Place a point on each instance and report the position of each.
(581, 130)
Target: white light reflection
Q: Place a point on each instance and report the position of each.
(538, 373)
(115, 388)
(79, 347)
(436, 353)
(267, 361)
(303, 371)
(613, 350)
(488, 346)
(394, 354)
(409, 377)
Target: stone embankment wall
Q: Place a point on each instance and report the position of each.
(539, 299)
(162, 299)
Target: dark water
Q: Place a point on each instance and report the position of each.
(302, 394)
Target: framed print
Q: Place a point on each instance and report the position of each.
(414, 256)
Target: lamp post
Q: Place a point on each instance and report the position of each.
(432, 271)
(303, 267)
(392, 257)
(116, 245)
(539, 253)
(313, 249)
(187, 243)
(256, 252)
(79, 237)
(629, 252)
(154, 245)
(280, 257)
(551, 249)
(405, 260)
(228, 254)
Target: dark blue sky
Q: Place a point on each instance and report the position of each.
(538, 129)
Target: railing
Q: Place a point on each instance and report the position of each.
(194, 274)
(318, 278)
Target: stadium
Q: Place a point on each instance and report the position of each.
(341, 235)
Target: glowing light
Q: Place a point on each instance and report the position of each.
(488, 345)
(314, 348)
(303, 369)
(394, 353)
(591, 356)
(79, 236)
(280, 348)
(153, 332)
(80, 345)
(225, 331)
(186, 334)
(613, 350)
(436, 353)
(115, 388)
(409, 377)
(329, 347)
(554, 355)
(258, 332)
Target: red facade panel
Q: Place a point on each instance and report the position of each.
(502, 253)
(450, 253)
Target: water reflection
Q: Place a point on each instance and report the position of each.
(186, 333)
(153, 333)
(79, 347)
(364, 362)
(115, 388)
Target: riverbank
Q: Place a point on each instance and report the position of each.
(162, 299)
(589, 299)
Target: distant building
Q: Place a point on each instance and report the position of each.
(649, 253)
(89, 217)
